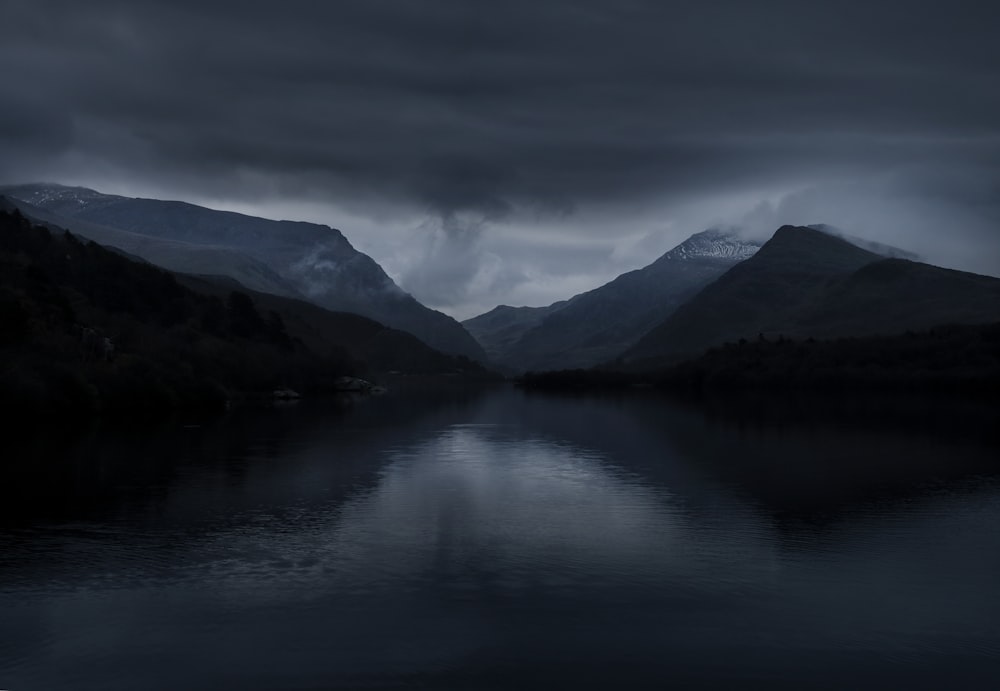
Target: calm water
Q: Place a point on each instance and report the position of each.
(501, 540)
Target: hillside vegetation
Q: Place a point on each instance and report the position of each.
(84, 329)
(958, 358)
(290, 258)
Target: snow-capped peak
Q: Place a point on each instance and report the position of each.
(714, 244)
(45, 195)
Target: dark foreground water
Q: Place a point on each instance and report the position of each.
(500, 540)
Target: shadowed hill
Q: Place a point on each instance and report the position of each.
(375, 346)
(283, 257)
(804, 283)
(173, 255)
(503, 326)
(86, 329)
(896, 295)
(961, 359)
(759, 295)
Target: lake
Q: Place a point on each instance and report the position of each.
(497, 539)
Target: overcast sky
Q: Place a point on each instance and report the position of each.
(522, 151)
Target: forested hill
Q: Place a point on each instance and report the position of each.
(306, 260)
(957, 358)
(83, 328)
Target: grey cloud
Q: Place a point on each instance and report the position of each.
(949, 217)
(504, 111)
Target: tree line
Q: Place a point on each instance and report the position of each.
(85, 329)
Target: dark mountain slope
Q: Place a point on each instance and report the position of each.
(887, 251)
(316, 261)
(373, 346)
(962, 359)
(84, 328)
(896, 295)
(804, 283)
(500, 328)
(599, 324)
(180, 257)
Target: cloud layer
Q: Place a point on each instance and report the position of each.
(484, 134)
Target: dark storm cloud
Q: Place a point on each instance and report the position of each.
(493, 108)
(474, 106)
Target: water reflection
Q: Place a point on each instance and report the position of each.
(485, 506)
(503, 540)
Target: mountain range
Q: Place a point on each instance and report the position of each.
(292, 259)
(596, 326)
(85, 329)
(805, 283)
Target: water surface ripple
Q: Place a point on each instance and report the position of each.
(502, 540)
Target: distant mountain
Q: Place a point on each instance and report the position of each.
(806, 283)
(595, 326)
(293, 259)
(500, 328)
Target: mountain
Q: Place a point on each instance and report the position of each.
(181, 257)
(288, 258)
(595, 326)
(805, 283)
(897, 295)
(86, 329)
(500, 328)
(372, 346)
(881, 248)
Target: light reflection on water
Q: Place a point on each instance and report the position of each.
(504, 541)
